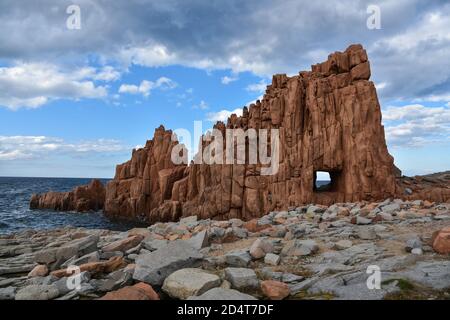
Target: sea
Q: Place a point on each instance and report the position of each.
(16, 216)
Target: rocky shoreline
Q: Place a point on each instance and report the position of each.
(308, 252)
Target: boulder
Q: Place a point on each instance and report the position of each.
(123, 244)
(238, 258)
(109, 266)
(260, 248)
(275, 290)
(139, 291)
(300, 248)
(242, 279)
(189, 282)
(441, 241)
(343, 244)
(40, 270)
(272, 259)
(155, 267)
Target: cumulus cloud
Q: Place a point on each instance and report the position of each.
(416, 125)
(27, 147)
(259, 87)
(202, 105)
(410, 52)
(31, 85)
(146, 86)
(222, 115)
(227, 80)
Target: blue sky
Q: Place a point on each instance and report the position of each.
(73, 103)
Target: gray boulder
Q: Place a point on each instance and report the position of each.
(242, 278)
(189, 282)
(156, 266)
(238, 258)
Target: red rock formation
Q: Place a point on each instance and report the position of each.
(81, 199)
(329, 119)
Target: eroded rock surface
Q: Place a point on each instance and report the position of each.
(81, 199)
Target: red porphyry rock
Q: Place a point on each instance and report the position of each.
(441, 241)
(275, 290)
(139, 291)
(81, 199)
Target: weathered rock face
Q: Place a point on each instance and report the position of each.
(329, 119)
(82, 198)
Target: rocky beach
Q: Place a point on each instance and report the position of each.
(227, 231)
(307, 252)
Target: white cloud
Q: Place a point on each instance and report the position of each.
(416, 125)
(107, 73)
(146, 86)
(27, 147)
(31, 85)
(202, 105)
(222, 115)
(259, 87)
(227, 80)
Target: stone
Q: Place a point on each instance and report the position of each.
(109, 266)
(40, 270)
(143, 232)
(90, 257)
(367, 233)
(260, 248)
(223, 294)
(275, 290)
(62, 283)
(199, 240)
(343, 244)
(390, 208)
(7, 293)
(81, 199)
(272, 259)
(413, 243)
(155, 267)
(417, 251)
(256, 225)
(441, 241)
(139, 291)
(55, 257)
(238, 258)
(154, 244)
(37, 292)
(300, 248)
(434, 274)
(123, 244)
(189, 282)
(242, 279)
(363, 221)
